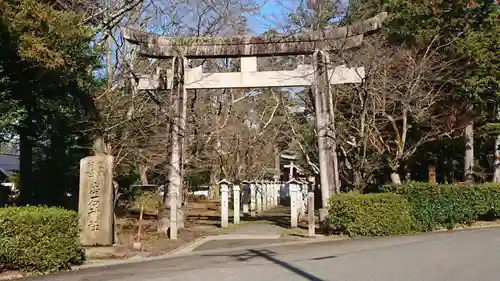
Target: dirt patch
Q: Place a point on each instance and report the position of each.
(492, 223)
(11, 274)
(159, 245)
(201, 220)
(477, 224)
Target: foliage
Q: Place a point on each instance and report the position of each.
(149, 200)
(461, 37)
(467, 34)
(435, 206)
(14, 178)
(369, 214)
(413, 206)
(45, 95)
(44, 35)
(39, 239)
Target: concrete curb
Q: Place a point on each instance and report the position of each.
(198, 242)
(189, 247)
(187, 251)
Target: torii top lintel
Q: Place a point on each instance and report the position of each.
(345, 37)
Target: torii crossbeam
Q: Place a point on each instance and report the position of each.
(345, 37)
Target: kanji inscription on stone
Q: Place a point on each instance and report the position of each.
(96, 200)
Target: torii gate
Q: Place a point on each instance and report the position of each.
(318, 76)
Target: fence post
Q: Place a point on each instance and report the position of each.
(302, 199)
(245, 199)
(264, 196)
(294, 189)
(252, 199)
(269, 197)
(310, 211)
(224, 203)
(236, 204)
(258, 197)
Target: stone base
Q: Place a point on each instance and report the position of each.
(323, 219)
(323, 214)
(164, 223)
(180, 219)
(137, 246)
(102, 252)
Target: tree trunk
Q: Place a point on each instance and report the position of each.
(175, 176)
(395, 178)
(164, 212)
(333, 144)
(215, 174)
(115, 203)
(336, 171)
(321, 122)
(213, 186)
(26, 165)
(143, 174)
(469, 152)
(357, 180)
(277, 166)
(99, 146)
(496, 176)
(432, 174)
(182, 142)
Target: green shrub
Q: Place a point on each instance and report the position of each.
(369, 214)
(39, 239)
(435, 206)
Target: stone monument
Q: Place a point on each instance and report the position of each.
(96, 201)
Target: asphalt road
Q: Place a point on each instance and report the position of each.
(469, 255)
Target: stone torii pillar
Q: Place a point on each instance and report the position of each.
(175, 174)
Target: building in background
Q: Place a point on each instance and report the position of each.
(288, 163)
(9, 164)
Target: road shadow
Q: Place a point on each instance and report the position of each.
(322, 258)
(270, 256)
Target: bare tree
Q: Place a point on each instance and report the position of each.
(400, 108)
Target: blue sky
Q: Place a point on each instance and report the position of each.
(272, 13)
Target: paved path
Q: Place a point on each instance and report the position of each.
(470, 255)
(259, 228)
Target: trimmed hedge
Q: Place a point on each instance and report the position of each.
(39, 239)
(369, 214)
(436, 206)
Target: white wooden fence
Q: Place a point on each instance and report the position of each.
(253, 198)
